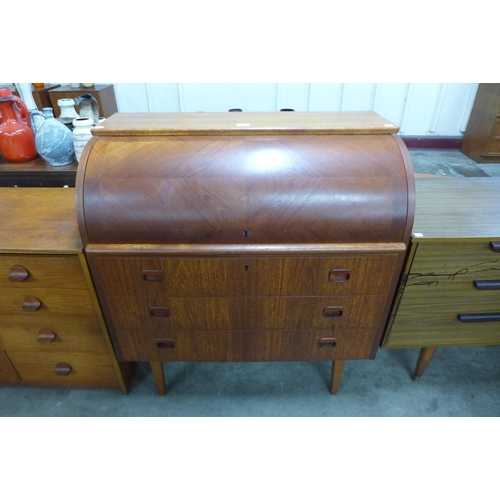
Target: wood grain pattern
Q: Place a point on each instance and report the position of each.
(482, 138)
(39, 220)
(87, 370)
(249, 345)
(448, 253)
(43, 271)
(259, 313)
(251, 190)
(245, 276)
(215, 236)
(245, 123)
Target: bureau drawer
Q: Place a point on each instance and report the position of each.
(234, 276)
(43, 302)
(39, 271)
(7, 373)
(427, 319)
(235, 345)
(253, 313)
(90, 370)
(53, 333)
(455, 262)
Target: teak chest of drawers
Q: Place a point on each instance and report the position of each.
(51, 328)
(245, 236)
(450, 289)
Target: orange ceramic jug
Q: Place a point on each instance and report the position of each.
(17, 140)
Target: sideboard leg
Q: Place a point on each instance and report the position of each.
(157, 369)
(337, 367)
(424, 357)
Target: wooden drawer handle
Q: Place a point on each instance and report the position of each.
(152, 275)
(495, 246)
(339, 275)
(165, 343)
(18, 273)
(327, 342)
(159, 312)
(479, 318)
(487, 284)
(62, 369)
(332, 311)
(31, 303)
(46, 336)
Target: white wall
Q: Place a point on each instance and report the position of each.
(421, 109)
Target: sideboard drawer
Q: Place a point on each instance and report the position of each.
(93, 370)
(253, 313)
(250, 345)
(40, 271)
(455, 262)
(7, 374)
(46, 301)
(220, 277)
(57, 333)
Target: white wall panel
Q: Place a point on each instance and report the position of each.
(224, 96)
(326, 96)
(293, 95)
(131, 97)
(420, 109)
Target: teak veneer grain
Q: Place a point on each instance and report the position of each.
(245, 236)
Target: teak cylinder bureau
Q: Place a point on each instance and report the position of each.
(245, 236)
(52, 331)
(449, 293)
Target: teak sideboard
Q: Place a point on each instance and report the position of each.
(52, 330)
(245, 236)
(449, 294)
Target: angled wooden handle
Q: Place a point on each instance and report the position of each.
(62, 369)
(332, 311)
(31, 303)
(159, 312)
(18, 273)
(46, 336)
(165, 343)
(339, 275)
(327, 342)
(152, 275)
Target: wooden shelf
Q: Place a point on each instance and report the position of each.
(36, 173)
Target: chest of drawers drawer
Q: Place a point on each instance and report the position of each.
(64, 368)
(244, 345)
(250, 276)
(45, 302)
(52, 333)
(261, 313)
(41, 271)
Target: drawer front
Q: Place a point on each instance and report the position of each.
(43, 302)
(38, 271)
(53, 333)
(254, 313)
(454, 262)
(237, 345)
(7, 373)
(90, 370)
(222, 277)
(431, 318)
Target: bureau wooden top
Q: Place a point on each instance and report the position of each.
(457, 208)
(38, 220)
(245, 123)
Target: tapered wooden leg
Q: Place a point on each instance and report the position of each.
(337, 367)
(157, 368)
(424, 357)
